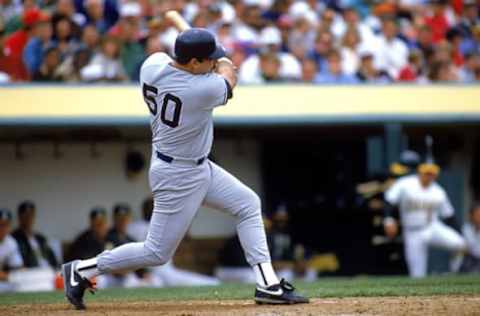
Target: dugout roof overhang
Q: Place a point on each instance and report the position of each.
(277, 105)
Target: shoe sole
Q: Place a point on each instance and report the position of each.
(261, 300)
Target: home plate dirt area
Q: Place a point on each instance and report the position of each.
(413, 305)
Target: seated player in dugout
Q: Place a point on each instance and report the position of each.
(181, 95)
(34, 247)
(422, 202)
(10, 258)
(288, 258)
(92, 241)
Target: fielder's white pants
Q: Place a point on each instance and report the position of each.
(179, 189)
(417, 243)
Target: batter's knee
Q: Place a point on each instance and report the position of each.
(156, 257)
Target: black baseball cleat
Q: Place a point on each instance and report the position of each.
(281, 293)
(75, 285)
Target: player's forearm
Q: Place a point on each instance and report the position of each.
(226, 69)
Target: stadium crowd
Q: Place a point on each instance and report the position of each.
(319, 41)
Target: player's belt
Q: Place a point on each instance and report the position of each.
(169, 159)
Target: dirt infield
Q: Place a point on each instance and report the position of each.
(436, 305)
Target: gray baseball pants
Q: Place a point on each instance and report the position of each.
(179, 189)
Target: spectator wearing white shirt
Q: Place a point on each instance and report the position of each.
(471, 233)
(391, 52)
(10, 257)
(106, 64)
(270, 41)
(349, 51)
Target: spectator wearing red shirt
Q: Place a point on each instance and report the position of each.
(412, 70)
(438, 21)
(16, 42)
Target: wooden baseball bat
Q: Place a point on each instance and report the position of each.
(178, 20)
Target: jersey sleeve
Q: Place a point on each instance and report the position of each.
(446, 209)
(394, 193)
(214, 90)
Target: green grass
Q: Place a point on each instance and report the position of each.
(326, 287)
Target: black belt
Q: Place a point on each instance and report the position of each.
(170, 159)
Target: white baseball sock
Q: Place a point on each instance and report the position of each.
(265, 275)
(88, 268)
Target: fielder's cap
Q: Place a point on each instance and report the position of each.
(121, 209)
(197, 43)
(5, 215)
(98, 211)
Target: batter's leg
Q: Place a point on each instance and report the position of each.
(416, 253)
(229, 194)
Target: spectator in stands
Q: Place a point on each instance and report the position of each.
(128, 31)
(10, 257)
(438, 21)
(94, 12)
(16, 42)
(469, 20)
(270, 41)
(37, 45)
(442, 71)
(92, 241)
(309, 70)
(106, 64)
(367, 73)
(413, 70)
(425, 42)
(391, 53)
(334, 74)
(472, 63)
(4, 77)
(10, 9)
(270, 68)
(63, 36)
(48, 69)
(33, 246)
(66, 9)
(323, 45)
(250, 21)
(302, 37)
(90, 38)
(70, 69)
(349, 51)
(471, 233)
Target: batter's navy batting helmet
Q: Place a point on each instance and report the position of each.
(197, 43)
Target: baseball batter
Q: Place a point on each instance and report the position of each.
(421, 202)
(181, 95)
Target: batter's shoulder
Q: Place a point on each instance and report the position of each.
(154, 64)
